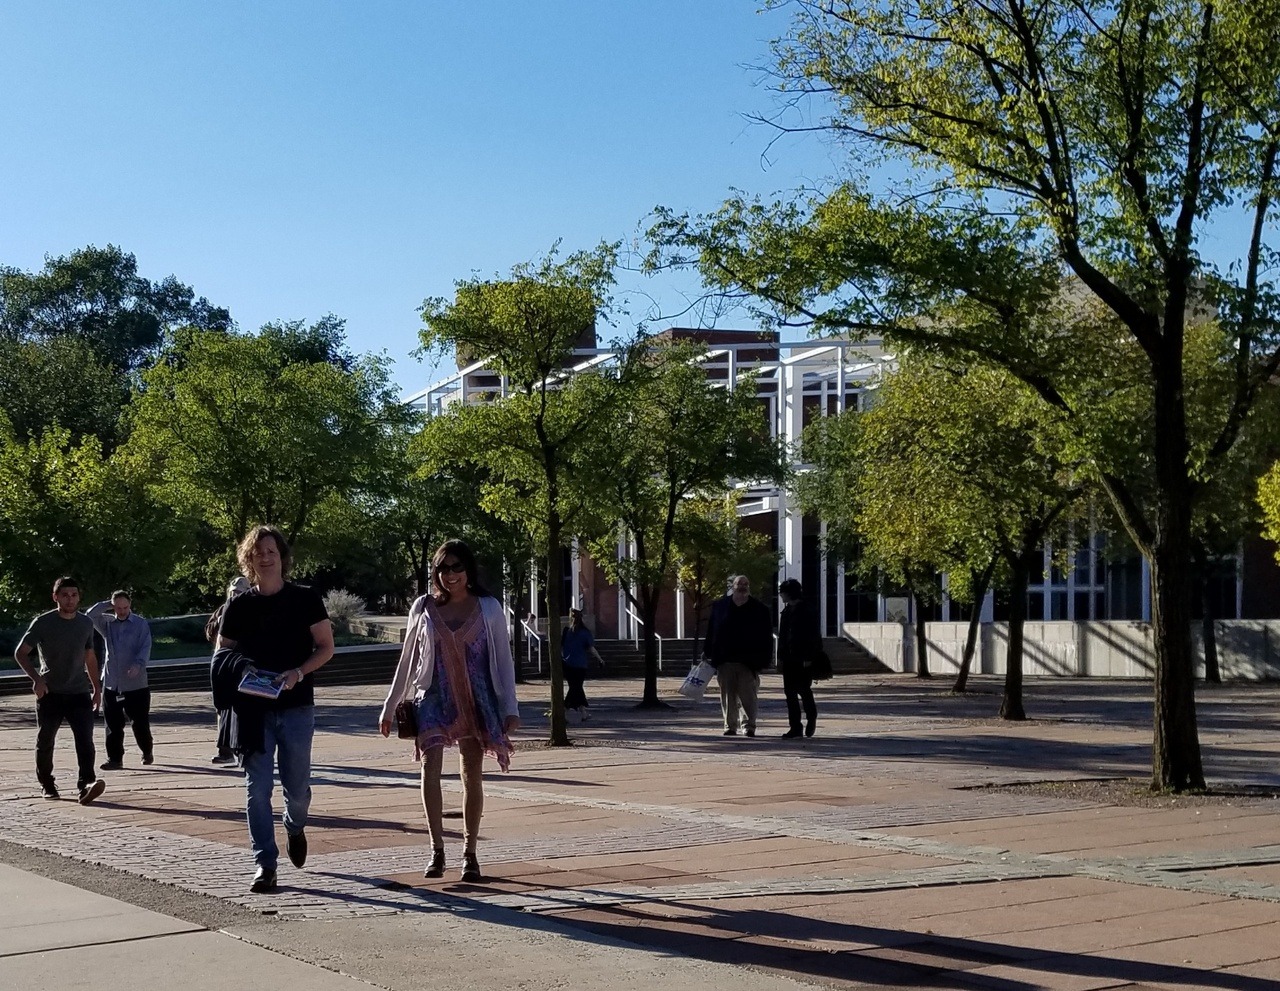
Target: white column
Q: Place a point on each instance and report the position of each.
(575, 562)
(842, 589)
(533, 588)
(822, 560)
(791, 411)
(622, 598)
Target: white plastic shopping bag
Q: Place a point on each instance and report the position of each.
(695, 684)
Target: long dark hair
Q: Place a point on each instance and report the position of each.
(462, 552)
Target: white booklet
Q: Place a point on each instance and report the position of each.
(260, 683)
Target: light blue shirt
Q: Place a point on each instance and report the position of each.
(128, 648)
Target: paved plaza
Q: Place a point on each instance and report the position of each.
(657, 852)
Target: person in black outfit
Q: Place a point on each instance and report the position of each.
(799, 644)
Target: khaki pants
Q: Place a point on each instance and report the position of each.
(738, 686)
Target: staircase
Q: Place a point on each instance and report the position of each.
(848, 657)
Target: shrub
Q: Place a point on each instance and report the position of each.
(343, 607)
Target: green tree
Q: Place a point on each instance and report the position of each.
(96, 295)
(526, 327)
(243, 428)
(61, 381)
(668, 432)
(67, 508)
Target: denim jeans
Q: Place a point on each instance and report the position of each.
(288, 732)
(77, 710)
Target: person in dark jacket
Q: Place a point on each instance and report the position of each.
(739, 646)
(799, 644)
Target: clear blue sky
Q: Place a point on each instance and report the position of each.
(289, 159)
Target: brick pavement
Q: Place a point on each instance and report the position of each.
(664, 832)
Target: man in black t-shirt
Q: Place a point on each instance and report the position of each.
(284, 630)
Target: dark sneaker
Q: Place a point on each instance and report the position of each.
(297, 847)
(731, 732)
(50, 792)
(436, 867)
(148, 759)
(264, 881)
(471, 868)
(751, 731)
(222, 759)
(810, 728)
(90, 792)
(792, 733)
(112, 765)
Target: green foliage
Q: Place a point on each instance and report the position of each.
(60, 380)
(96, 296)
(243, 429)
(1269, 501)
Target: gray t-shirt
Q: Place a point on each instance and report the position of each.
(61, 644)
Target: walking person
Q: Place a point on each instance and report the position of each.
(577, 646)
(799, 646)
(283, 630)
(739, 645)
(126, 694)
(456, 669)
(66, 686)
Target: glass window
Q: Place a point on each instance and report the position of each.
(1059, 604)
(1083, 571)
(1035, 606)
(1082, 605)
(1099, 605)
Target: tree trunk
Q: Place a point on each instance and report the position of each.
(650, 617)
(981, 582)
(1011, 705)
(555, 579)
(922, 641)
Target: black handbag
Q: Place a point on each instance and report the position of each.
(407, 720)
(820, 670)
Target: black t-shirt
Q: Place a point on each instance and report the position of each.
(274, 631)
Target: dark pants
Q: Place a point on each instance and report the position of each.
(797, 685)
(119, 708)
(575, 697)
(77, 710)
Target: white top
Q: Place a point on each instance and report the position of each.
(419, 640)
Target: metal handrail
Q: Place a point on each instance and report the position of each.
(533, 637)
(636, 638)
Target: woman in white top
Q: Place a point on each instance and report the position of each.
(456, 666)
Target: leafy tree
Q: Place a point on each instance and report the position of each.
(66, 508)
(60, 381)
(668, 432)
(95, 295)
(1098, 139)
(526, 327)
(1269, 501)
(241, 429)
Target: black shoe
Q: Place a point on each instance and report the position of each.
(751, 731)
(471, 868)
(112, 765)
(297, 847)
(221, 758)
(148, 759)
(50, 792)
(91, 791)
(813, 725)
(436, 867)
(264, 881)
(792, 733)
(731, 732)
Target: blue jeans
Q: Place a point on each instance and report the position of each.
(288, 731)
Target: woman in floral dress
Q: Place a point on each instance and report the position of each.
(457, 667)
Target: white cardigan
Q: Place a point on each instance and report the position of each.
(502, 668)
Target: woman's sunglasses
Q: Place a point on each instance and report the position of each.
(457, 568)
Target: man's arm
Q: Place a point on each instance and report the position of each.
(322, 637)
(23, 656)
(98, 612)
(91, 668)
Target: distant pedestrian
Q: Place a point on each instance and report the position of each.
(577, 646)
(224, 754)
(284, 631)
(457, 672)
(126, 692)
(799, 648)
(65, 684)
(739, 645)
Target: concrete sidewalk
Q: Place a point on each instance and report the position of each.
(659, 851)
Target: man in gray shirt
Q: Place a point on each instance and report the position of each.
(126, 695)
(65, 684)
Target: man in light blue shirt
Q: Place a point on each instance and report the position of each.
(126, 696)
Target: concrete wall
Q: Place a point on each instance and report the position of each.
(1247, 649)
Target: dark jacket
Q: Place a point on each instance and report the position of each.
(741, 634)
(226, 669)
(799, 637)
